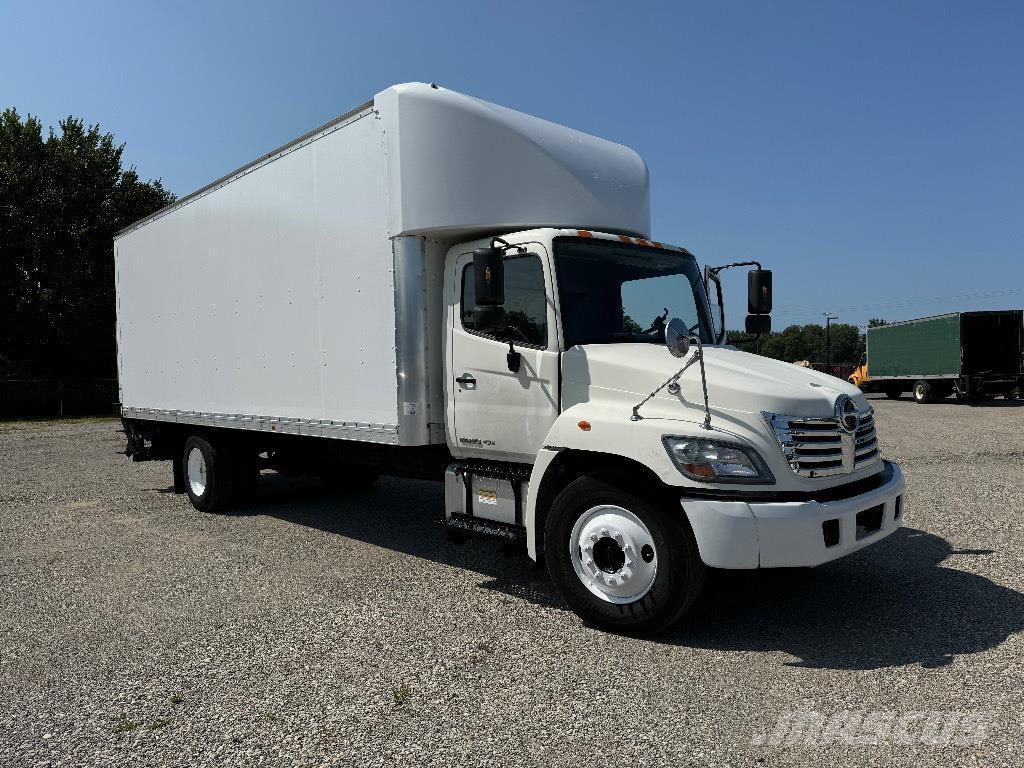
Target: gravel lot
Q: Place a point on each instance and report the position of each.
(318, 630)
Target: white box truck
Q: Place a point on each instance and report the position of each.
(436, 287)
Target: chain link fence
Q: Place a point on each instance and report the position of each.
(55, 398)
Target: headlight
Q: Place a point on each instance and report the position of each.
(717, 462)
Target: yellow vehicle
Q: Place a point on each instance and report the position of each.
(859, 377)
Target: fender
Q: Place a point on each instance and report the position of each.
(610, 432)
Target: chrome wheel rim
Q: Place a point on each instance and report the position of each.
(613, 554)
(196, 468)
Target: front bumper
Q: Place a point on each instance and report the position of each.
(777, 534)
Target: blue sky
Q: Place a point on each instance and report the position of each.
(871, 153)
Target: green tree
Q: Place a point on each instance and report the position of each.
(806, 342)
(62, 199)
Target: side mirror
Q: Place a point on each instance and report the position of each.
(759, 292)
(489, 276)
(488, 319)
(759, 324)
(677, 338)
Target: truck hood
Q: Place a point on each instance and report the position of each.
(737, 381)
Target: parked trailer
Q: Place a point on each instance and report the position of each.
(433, 286)
(969, 354)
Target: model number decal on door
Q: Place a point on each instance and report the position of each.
(475, 441)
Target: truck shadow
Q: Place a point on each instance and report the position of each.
(897, 603)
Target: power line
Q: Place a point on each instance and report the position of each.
(911, 302)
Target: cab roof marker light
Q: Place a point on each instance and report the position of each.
(584, 233)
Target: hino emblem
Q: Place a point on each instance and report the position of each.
(846, 414)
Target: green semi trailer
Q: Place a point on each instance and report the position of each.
(973, 355)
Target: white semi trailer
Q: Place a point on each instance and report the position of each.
(433, 286)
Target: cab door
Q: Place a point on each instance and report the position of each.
(501, 414)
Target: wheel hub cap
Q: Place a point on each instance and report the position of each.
(613, 554)
(196, 469)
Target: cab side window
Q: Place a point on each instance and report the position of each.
(525, 301)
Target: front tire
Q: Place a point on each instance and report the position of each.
(209, 474)
(618, 560)
(922, 392)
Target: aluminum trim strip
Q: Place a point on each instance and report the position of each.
(338, 430)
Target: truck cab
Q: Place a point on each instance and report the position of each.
(554, 431)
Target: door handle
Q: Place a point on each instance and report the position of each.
(466, 381)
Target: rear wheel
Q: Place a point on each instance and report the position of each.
(893, 393)
(208, 474)
(619, 561)
(922, 392)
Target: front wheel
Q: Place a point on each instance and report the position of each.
(923, 392)
(620, 562)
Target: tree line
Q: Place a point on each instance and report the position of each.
(63, 196)
(807, 342)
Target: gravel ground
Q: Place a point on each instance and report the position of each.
(318, 630)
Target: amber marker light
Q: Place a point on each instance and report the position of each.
(584, 425)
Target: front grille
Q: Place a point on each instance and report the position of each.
(820, 447)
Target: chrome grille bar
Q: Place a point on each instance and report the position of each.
(821, 447)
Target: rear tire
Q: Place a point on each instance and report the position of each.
(618, 560)
(922, 392)
(209, 474)
(894, 394)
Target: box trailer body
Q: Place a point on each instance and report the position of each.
(972, 354)
(302, 292)
(437, 287)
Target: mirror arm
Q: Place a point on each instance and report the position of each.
(716, 270)
(699, 355)
(506, 245)
(704, 383)
(636, 408)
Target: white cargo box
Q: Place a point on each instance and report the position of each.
(302, 293)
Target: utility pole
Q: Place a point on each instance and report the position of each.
(829, 317)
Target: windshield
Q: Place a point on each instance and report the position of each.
(617, 292)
